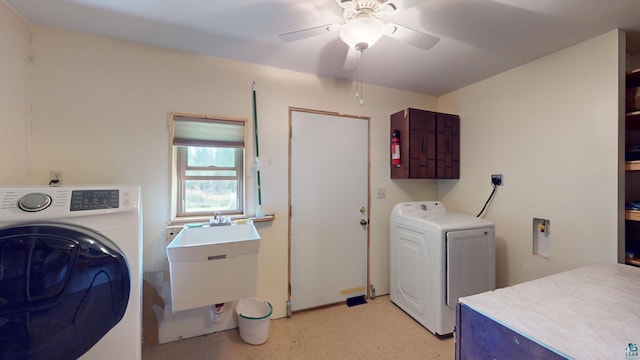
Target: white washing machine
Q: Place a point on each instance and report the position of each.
(70, 272)
(436, 258)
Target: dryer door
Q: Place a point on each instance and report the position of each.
(62, 288)
(471, 262)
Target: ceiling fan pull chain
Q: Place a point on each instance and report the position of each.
(359, 75)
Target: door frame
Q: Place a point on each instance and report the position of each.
(368, 218)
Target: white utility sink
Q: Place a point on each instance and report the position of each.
(211, 242)
(211, 265)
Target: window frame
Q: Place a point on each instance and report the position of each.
(182, 168)
(178, 165)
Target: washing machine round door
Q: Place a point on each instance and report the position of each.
(62, 288)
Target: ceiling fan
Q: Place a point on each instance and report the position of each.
(363, 27)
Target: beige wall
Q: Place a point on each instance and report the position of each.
(15, 34)
(99, 114)
(551, 127)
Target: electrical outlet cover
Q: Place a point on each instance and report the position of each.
(55, 176)
(497, 178)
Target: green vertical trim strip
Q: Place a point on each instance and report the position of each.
(255, 129)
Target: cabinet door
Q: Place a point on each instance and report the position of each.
(422, 144)
(448, 140)
(429, 145)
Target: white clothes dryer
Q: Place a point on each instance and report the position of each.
(436, 258)
(70, 272)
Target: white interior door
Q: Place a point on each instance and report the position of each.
(329, 200)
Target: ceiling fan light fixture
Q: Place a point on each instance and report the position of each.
(362, 32)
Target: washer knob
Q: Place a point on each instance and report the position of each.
(34, 202)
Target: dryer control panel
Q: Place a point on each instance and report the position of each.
(421, 209)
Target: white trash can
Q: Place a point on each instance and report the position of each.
(254, 317)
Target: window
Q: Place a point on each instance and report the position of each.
(207, 166)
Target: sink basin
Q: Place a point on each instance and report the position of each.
(212, 243)
(212, 265)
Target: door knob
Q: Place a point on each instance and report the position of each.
(363, 222)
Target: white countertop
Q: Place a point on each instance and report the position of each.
(592, 312)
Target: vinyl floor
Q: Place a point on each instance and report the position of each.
(375, 330)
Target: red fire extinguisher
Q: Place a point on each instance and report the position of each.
(395, 147)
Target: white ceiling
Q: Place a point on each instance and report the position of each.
(479, 38)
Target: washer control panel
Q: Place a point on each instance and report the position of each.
(39, 202)
(94, 199)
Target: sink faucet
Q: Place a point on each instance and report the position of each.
(215, 219)
(218, 220)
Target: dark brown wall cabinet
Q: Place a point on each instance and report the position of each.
(429, 145)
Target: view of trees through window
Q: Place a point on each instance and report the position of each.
(210, 156)
(211, 180)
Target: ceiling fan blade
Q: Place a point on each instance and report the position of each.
(410, 36)
(388, 8)
(307, 33)
(351, 60)
(400, 5)
(347, 4)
